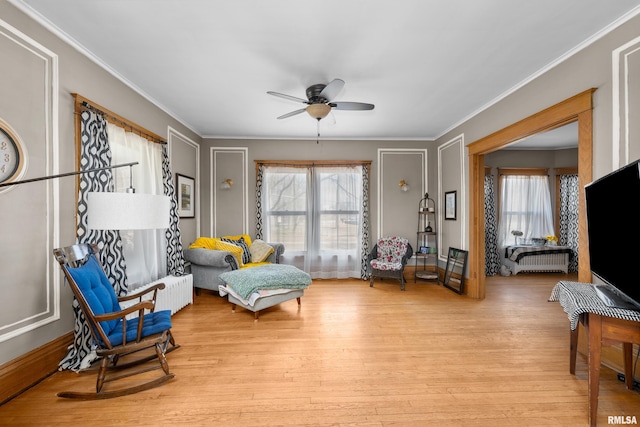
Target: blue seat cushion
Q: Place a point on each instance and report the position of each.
(154, 323)
(101, 298)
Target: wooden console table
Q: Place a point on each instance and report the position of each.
(604, 325)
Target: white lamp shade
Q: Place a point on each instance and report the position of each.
(127, 211)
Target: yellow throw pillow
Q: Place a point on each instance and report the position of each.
(260, 250)
(205, 243)
(235, 250)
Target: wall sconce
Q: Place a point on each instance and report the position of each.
(226, 184)
(404, 185)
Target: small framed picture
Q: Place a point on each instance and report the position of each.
(185, 190)
(450, 205)
(424, 250)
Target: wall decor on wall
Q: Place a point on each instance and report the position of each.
(186, 186)
(13, 156)
(450, 205)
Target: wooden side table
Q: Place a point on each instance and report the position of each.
(604, 325)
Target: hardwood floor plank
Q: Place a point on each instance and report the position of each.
(352, 355)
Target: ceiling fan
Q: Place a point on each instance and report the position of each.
(319, 100)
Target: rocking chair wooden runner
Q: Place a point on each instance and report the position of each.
(116, 336)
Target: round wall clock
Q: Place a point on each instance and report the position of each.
(13, 156)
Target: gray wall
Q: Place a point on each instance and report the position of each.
(232, 211)
(550, 159)
(36, 304)
(532, 158)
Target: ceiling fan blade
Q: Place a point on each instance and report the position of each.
(359, 106)
(289, 97)
(332, 90)
(293, 113)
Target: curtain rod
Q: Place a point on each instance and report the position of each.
(110, 116)
(43, 178)
(307, 163)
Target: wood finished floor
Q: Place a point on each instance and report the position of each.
(357, 356)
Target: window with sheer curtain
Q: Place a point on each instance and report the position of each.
(144, 250)
(525, 205)
(317, 212)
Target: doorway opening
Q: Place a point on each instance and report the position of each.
(578, 108)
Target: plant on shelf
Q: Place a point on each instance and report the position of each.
(552, 240)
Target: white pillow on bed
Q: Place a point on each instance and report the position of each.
(260, 250)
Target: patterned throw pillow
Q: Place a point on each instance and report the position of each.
(246, 254)
(246, 237)
(260, 250)
(235, 250)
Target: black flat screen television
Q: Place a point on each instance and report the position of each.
(613, 223)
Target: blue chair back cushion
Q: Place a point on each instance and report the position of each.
(101, 297)
(97, 290)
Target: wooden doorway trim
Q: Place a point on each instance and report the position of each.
(577, 108)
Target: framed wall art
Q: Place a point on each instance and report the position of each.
(450, 205)
(185, 190)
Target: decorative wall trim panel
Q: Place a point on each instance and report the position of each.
(456, 230)
(175, 137)
(388, 177)
(626, 103)
(34, 115)
(229, 200)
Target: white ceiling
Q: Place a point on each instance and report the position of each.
(427, 65)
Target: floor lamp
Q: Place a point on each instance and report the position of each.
(118, 211)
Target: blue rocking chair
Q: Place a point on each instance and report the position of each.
(115, 335)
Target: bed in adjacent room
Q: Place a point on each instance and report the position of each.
(543, 258)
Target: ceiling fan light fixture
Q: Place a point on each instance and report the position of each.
(318, 111)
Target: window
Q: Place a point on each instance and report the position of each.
(144, 250)
(317, 212)
(525, 205)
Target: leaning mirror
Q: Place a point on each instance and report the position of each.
(455, 270)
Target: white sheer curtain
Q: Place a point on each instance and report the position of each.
(144, 250)
(317, 213)
(525, 205)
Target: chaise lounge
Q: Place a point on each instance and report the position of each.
(210, 257)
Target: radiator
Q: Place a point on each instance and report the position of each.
(178, 293)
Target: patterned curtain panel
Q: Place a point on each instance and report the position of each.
(259, 181)
(569, 216)
(94, 153)
(364, 250)
(175, 258)
(492, 255)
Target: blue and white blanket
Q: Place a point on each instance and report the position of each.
(246, 281)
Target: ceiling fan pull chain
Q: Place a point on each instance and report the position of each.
(318, 128)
